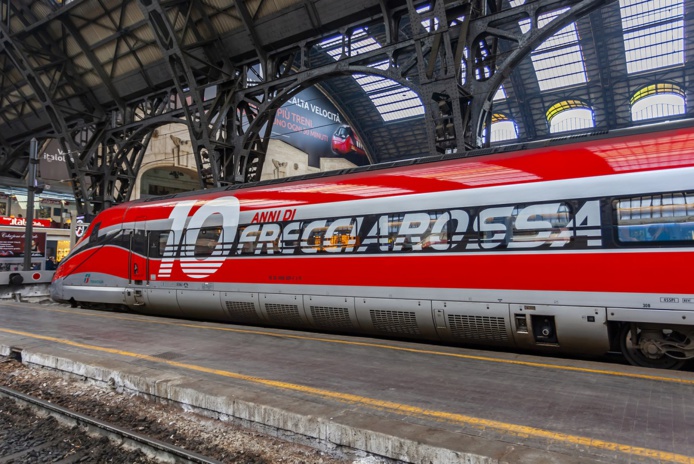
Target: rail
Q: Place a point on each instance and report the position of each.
(149, 446)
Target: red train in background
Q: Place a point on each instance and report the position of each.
(582, 247)
(344, 142)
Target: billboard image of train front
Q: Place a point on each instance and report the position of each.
(576, 248)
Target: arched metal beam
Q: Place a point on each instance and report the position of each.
(484, 91)
(43, 94)
(205, 147)
(113, 160)
(252, 136)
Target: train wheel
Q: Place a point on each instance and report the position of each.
(645, 351)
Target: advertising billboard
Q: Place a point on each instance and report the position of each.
(12, 244)
(311, 123)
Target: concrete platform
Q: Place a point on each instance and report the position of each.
(405, 401)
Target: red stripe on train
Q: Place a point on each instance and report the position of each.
(633, 272)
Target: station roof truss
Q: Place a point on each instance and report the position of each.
(412, 77)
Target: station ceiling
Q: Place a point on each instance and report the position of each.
(66, 65)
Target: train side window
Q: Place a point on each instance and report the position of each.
(290, 240)
(373, 234)
(655, 219)
(540, 224)
(312, 236)
(201, 243)
(340, 235)
(121, 239)
(247, 239)
(157, 243)
(106, 238)
(494, 226)
(417, 231)
(438, 232)
(267, 241)
(94, 235)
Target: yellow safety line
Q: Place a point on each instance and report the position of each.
(389, 406)
(632, 375)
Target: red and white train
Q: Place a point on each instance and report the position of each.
(581, 248)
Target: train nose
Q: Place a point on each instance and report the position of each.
(56, 290)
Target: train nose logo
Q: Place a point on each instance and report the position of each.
(199, 267)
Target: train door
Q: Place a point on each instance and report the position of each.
(137, 264)
(138, 254)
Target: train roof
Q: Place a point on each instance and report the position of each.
(601, 154)
(659, 147)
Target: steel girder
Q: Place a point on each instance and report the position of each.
(46, 53)
(457, 100)
(230, 134)
(107, 165)
(209, 146)
(113, 153)
(256, 105)
(425, 51)
(491, 27)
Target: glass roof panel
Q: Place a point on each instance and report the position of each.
(392, 100)
(558, 61)
(500, 94)
(653, 33)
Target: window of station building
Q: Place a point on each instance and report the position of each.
(503, 128)
(655, 218)
(570, 115)
(653, 33)
(657, 101)
(44, 212)
(500, 94)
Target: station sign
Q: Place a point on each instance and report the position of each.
(22, 222)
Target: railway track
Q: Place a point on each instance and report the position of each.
(33, 430)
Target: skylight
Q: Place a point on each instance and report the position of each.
(500, 94)
(558, 61)
(392, 100)
(653, 33)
